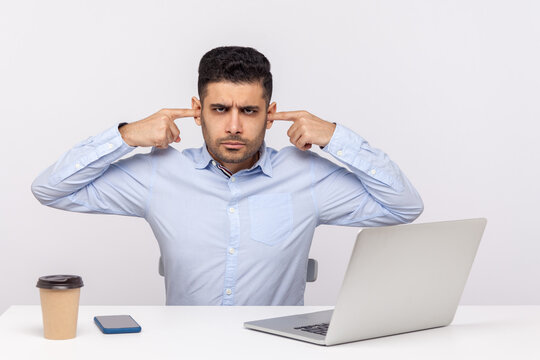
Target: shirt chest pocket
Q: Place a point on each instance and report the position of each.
(271, 217)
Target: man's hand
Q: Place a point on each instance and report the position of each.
(307, 129)
(157, 130)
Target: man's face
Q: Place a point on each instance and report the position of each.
(233, 120)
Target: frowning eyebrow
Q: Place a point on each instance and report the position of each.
(247, 107)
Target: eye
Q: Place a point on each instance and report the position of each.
(249, 111)
(220, 109)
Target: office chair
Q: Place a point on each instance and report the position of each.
(312, 269)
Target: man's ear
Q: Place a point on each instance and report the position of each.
(271, 109)
(196, 105)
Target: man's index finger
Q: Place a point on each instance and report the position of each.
(285, 115)
(181, 113)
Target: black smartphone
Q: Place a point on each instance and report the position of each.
(117, 324)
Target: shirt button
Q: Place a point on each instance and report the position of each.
(213, 163)
(231, 251)
(233, 179)
(373, 172)
(340, 153)
(110, 145)
(228, 291)
(78, 166)
(231, 210)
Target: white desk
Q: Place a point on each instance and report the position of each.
(182, 333)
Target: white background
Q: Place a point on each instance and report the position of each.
(449, 89)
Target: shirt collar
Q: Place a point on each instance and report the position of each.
(204, 159)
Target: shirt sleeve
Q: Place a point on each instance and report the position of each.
(90, 178)
(374, 192)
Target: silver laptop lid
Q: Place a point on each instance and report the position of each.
(404, 278)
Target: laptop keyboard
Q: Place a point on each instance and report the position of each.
(320, 329)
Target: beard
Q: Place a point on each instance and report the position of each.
(232, 156)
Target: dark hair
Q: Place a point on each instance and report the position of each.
(235, 64)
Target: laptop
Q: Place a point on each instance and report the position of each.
(399, 279)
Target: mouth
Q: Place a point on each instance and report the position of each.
(233, 144)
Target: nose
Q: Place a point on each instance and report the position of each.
(233, 126)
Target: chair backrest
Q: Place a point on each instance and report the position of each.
(312, 269)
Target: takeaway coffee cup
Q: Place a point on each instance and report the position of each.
(60, 305)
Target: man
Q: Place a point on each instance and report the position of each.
(234, 219)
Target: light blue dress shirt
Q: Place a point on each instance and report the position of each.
(242, 240)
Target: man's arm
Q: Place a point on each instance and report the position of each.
(375, 192)
(85, 179)
(90, 178)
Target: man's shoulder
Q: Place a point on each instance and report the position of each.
(173, 153)
(293, 153)
(288, 152)
(291, 158)
(164, 156)
(295, 158)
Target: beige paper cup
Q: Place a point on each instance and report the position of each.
(60, 305)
